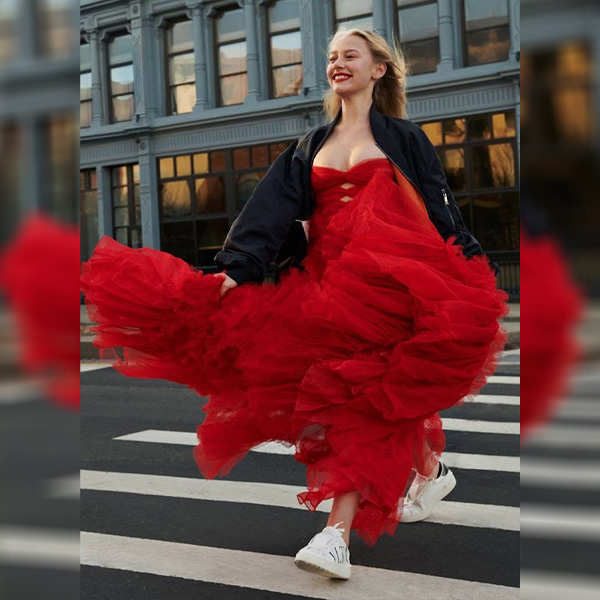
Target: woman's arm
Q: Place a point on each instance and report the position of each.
(444, 209)
(262, 226)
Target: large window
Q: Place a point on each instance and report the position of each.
(231, 57)
(120, 60)
(201, 194)
(419, 32)
(88, 194)
(56, 35)
(126, 212)
(180, 66)
(286, 48)
(486, 32)
(354, 13)
(479, 157)
(85, 85)
(9, 38)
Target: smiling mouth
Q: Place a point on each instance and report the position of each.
(341, 77)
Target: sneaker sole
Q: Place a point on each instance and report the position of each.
(322, 567)
(440, 496)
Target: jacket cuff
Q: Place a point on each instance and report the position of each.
(239, 274)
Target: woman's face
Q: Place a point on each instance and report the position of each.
(351, 68)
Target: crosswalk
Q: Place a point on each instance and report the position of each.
(560, 491)
(150, 519)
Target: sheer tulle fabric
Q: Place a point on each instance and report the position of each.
(349, 361)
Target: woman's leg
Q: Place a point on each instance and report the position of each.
(344, 508)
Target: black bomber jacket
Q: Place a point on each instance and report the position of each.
(269, 226)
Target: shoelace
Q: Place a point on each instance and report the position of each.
(340, 529)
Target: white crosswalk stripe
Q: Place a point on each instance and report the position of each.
(260, 571)
(207, 561)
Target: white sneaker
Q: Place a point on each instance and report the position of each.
(326, 554)
(421, 500)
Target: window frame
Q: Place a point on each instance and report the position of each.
(168, 23)
(84, 41)
(109, 37)
(130, 186)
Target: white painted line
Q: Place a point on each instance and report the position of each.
(550, 585)
(514, 379)
(84, 367)
(579, 523)
(481, 426)
(577, 409)
(483, 462)
(512, 352)
(493, 399)
(18, 392)
(570, 474)
(259, 571)
(28, 546)
(566, 436)
(283, 496)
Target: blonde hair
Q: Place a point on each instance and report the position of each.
(389, 92)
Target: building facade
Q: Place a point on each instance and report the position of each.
(184, 105)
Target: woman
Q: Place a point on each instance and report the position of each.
(348, 358)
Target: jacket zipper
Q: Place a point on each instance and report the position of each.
(408, 178)
(447, 204)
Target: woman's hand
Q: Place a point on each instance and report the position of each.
(228, 284)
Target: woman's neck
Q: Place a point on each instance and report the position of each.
(355, 113)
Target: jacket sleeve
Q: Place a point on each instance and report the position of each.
(445, 212)
(263, 224)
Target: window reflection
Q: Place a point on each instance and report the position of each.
(126, 209)
(419, 35)
(85, 85)
(210, 195)
(232, 52)
(487, 31)
(88, 203)
(180, 61)
(453, 162)
(175, 199)
(493, 166)
(120, 51)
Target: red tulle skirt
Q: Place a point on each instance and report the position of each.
(349, 361)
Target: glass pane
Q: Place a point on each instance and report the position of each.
(211, 235)
(503, 124)
(365, 23)
(121, 217)
(260, 158)
(418, 22)
(93, 179)
(181, 69)
(494, 166)
(277, 149)
(85, 57)
(423, 56)
(166, 168)
(85, 86)
(287, 81)
(231, 26)
(178, 239)
(351, 8)
(136, 238)
(232, 58)
(210, 195)
(120, 50)
(244, 186)
(121, 80)
(286, 49)
(137, 216)
(183, 98)
(241, 160)
(217, 161)
(175, 199)
(201, 163)
(454, 131)
(488, 45)
(135, 169)
(123, 108)
(85, 113)
(284, 14)
(484, 15)
(234, 89)
(136, 195)
(119, 196)
(184, 165)
(497, 221)
(119, 176)
(453, 162)
(434, 132)
(121, 235)
(479, 128)
(88, 223)
(180, 37)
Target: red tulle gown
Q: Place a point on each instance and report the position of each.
(349, 360)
